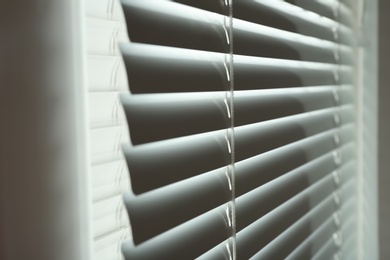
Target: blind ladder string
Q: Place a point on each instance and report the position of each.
(229, 99)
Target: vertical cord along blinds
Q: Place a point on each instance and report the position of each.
(241, 123)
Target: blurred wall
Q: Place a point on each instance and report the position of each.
(384, 128)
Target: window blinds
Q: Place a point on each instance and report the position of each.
(241, 126)
(104, 28)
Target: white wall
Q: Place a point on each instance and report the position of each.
(384, 128)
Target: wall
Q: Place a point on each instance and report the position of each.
(384, 129)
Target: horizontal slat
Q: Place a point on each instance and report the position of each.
(214, 6)
(220, 251)
(284, 16)
(348, 177)
(280, 247)
(257, 40)
(102, 36)
(183, 241)
(158, 164)
(109, 247)
(335, 10)
(156, 211)
(109, 224)
(275, 104)
(158, 69)
(348, 204)
(111, 189)
(158, 117)
(349, 219)
(163, 116)
(348, 233)
(262, 137)
(248, 73)
(186, 241)
(207, 191)
(109, 216)
(105, 109)
(276, 193)
(109, 179)
(276, 14)
(301, 230)
(248, 242)
(315, 241)
(260, 233)
(318, 20)
(202, 30)
(349, 239)
(182, 158)
(328, 250)
(106, 207)
(106, 143)
(104, 9)
(280, 161)
(106, 73)
(157, 23)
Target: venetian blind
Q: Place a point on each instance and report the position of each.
(241, 123)
(104, 28)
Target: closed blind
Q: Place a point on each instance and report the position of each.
(241, 125)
